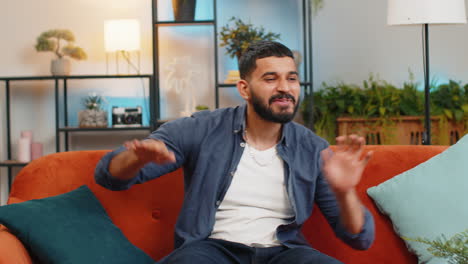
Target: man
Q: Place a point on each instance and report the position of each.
(251, 175)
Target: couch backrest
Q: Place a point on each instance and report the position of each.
(146, 213)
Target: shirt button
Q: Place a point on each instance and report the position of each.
(218, 203)
(242, 144)
(232, 173)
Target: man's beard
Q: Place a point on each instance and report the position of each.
(266, 113)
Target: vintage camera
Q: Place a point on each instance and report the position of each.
(126, 116)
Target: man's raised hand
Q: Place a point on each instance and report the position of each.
(150, 150)
(343, 168)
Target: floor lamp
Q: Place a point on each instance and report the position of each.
(425, 12)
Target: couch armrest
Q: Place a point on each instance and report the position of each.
(11, 249)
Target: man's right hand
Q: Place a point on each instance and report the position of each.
(126, 164)
(150, 150)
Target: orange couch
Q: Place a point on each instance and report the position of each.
(146, 213)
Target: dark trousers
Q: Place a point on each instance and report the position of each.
(215, 251)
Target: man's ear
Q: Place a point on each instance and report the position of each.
(243, 88)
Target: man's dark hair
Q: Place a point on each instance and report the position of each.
(259, 50)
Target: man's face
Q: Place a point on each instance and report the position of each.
(274, 89)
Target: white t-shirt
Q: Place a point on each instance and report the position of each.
(256, 202)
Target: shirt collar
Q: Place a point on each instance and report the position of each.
(239, 124)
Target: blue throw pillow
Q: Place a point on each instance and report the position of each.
(70, 228)
(428, 200)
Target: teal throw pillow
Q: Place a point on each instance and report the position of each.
(70, 228)
(428, 200)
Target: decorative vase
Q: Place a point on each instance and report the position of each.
(92, 118)
(60, 66)
(184, 10)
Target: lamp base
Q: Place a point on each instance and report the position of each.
(124, 59)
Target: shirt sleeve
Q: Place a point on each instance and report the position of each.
(174, 134)
(328, 204)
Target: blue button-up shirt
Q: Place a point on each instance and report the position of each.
(209, 146)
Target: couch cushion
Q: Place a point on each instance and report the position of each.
(70, 228)
(428, 200)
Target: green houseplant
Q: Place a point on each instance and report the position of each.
(380, 109)
(201, 107)
(449, 101)
(51, 40)
(240, 35)
(94, 114)
(237, 38)
(376, 101)
(454, 249)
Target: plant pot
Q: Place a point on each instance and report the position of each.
(233, 77)
(184, 10)
(404, 130)
(92, 118)
(60, 66)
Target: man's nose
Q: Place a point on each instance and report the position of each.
(283, 86)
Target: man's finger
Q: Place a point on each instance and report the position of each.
(341, 143)
(354, 143)
(172, 157)
(130, 145)
(367, 157)
(326, 154)
(127, 145)
(168, 157)
(358, 146)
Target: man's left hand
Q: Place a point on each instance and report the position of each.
(343, 168)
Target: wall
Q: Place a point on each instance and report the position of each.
(352, 39)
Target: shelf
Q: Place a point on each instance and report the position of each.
(185, 23)
(232, 85)
(50, 77)
(12, 163)
(88, 129)
(227, 85)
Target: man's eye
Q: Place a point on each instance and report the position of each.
(269, 79)
(293, 78)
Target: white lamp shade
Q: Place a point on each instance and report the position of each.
(407, 12)
(122, 34)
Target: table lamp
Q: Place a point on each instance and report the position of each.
(122, 37)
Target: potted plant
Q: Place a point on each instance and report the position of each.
(238, 37)
(94, 115)
(52, 41)
(386, 114)
(201, 108)
(449, 102)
